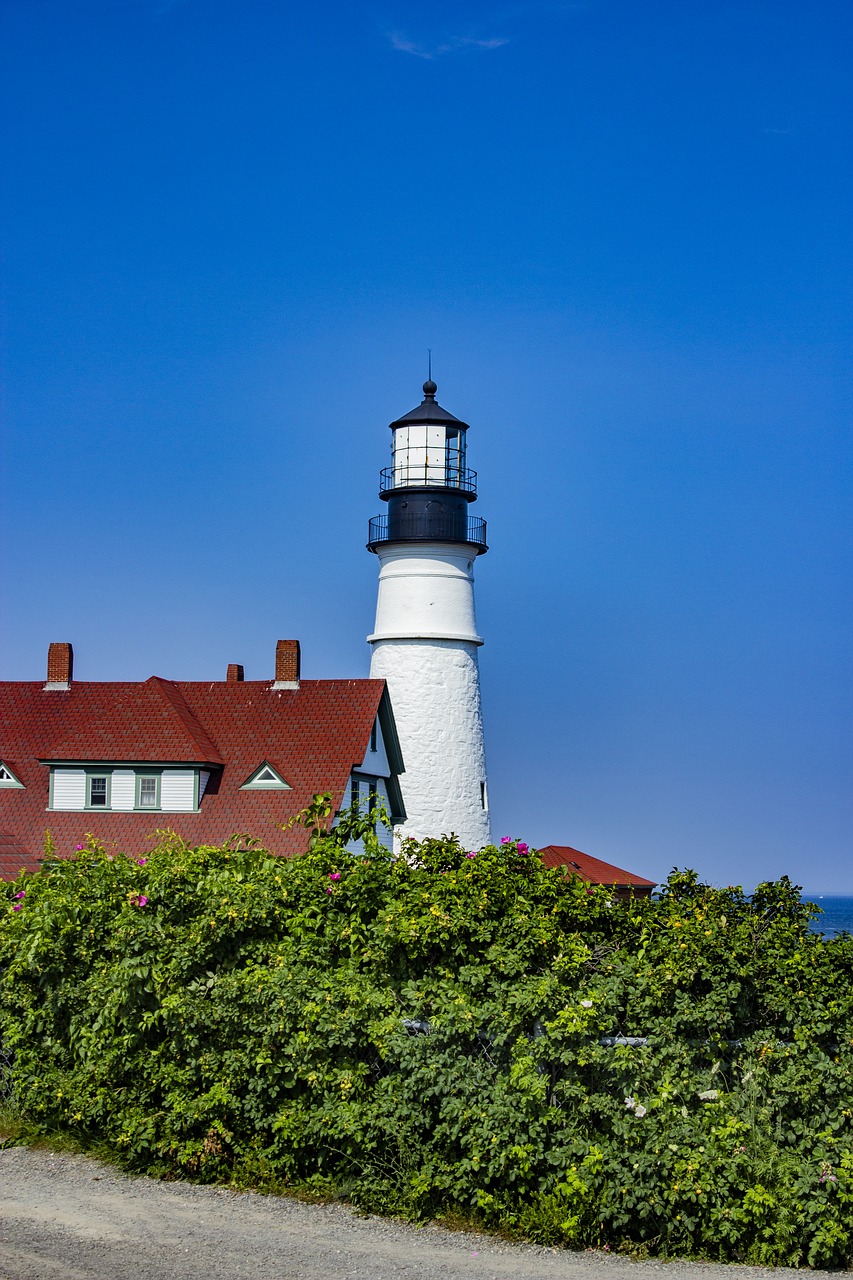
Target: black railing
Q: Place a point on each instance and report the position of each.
(431, 475)
(429, 528)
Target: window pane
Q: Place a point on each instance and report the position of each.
(148, 793)
(98, 792)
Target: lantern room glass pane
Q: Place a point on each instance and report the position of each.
(454, 458)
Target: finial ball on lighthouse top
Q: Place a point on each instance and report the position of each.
(430, 389)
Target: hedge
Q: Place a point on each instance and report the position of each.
(444, 1034)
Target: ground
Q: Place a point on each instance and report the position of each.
(68, 1217)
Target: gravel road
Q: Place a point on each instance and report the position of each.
(66, 1217)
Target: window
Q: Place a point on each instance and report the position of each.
(98, 791)
(148, 791)
(7, 777)
(358, 786)
(484, 796)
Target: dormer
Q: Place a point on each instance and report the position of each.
(265, 778)
(8, 777)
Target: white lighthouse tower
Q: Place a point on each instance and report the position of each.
(425, 640)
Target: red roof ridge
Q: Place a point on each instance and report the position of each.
(198, 735)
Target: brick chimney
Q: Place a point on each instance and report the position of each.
(287, 663)
(235, 673)
(60, 664)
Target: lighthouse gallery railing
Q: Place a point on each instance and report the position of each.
(432, 528)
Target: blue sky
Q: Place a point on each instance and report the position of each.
(232, 231)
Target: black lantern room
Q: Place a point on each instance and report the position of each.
(428, 486)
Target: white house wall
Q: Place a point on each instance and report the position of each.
(123, 789)
(177, 791)
(69, 789)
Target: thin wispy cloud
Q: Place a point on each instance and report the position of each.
(403, 44)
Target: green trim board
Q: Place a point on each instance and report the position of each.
(395, 800)
(390, 739)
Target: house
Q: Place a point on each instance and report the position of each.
(594, 871)
(206, 759)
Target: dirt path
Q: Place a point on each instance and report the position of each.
(66, 1217)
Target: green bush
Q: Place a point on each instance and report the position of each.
(424, 1036)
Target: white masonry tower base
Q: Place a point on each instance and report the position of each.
(425, 639)
(425, 646)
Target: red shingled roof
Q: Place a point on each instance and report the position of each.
(109, 721)
(313, 736)
(592, 870)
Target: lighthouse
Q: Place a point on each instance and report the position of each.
(425, 640)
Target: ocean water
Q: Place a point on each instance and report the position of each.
(837, 913)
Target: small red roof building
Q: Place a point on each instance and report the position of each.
(594, 871)
(207, 759)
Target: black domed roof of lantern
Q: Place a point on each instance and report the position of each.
(430, 411)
